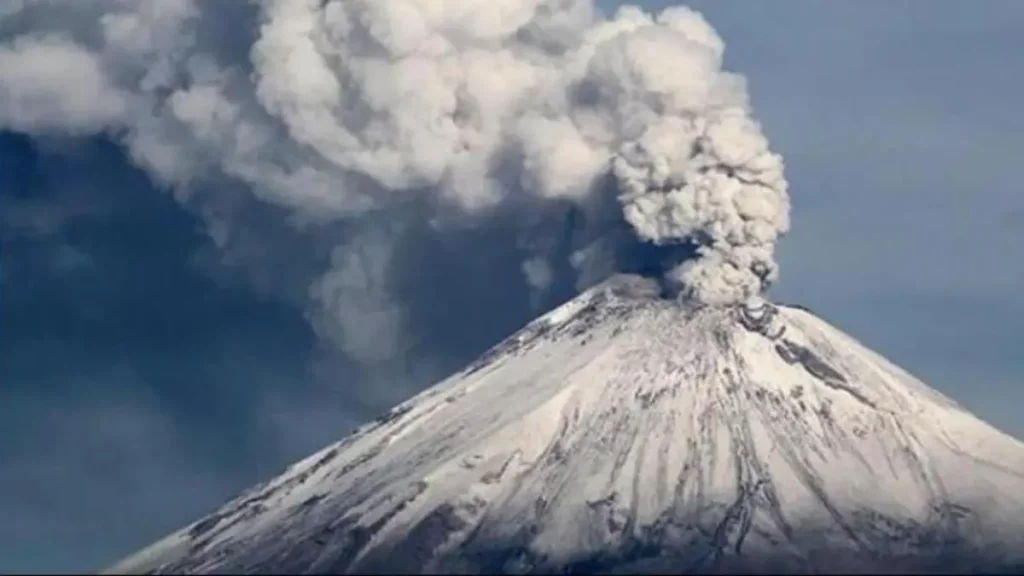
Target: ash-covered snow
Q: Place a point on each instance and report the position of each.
(624, 431)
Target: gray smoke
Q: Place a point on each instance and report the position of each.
(582, 134)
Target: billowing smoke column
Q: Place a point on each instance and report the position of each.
(334, 109)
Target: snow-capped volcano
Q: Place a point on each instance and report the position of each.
(625, 431)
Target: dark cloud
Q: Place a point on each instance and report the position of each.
(135, 389)
(127, 314)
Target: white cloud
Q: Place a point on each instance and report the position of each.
(49, 84)
(466, 108)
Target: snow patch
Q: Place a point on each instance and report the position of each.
(626, 419)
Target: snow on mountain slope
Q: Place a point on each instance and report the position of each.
(625, 431)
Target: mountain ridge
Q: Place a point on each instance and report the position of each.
(627, 431)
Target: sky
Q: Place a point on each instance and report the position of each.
(149, 370)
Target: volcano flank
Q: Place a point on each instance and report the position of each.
(627, 431)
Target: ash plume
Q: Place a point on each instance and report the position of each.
(581, 135)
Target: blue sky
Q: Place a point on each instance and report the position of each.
(143, 381)
(900, 126)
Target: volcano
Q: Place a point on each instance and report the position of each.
(629, 431)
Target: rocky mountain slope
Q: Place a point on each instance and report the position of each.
(629, 432)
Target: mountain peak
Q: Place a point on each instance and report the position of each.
(629, 430)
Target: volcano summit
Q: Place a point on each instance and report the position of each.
(626, 431)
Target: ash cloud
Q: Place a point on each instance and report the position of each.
(569, 143)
